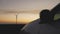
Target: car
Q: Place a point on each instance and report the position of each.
(45, 28)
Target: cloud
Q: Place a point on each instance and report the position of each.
(14, 11)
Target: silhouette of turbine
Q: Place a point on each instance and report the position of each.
(17, 17)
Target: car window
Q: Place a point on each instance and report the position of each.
(57, 16)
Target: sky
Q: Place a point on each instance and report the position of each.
(28, 10)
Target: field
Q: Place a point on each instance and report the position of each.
(10, 28)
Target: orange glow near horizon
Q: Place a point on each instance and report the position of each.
(23, 18)
(22, 21)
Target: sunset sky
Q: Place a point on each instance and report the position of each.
(28, 9)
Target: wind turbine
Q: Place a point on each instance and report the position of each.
(17, 17)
